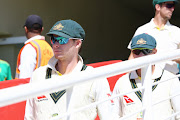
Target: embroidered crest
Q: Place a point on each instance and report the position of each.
(58, 27)
(141, 41)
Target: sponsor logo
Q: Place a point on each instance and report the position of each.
(127, 99)
(41, 98)
(109, 95)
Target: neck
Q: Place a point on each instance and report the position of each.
(159, 21)
(65, 66)
(30, 35)
(139, 71)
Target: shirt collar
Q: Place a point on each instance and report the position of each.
(53, 61)
(153, 25)
(37, 37)
(157, 73)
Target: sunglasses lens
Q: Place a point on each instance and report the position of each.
(169, 5)
(60, 40)
(146, 51)
(136, 52)
(63, 40)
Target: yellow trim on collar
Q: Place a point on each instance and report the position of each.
(160, 28)
(59, 73)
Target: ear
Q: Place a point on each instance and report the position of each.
(154, 51)
(157, 7)
(78, 43)
(42, 29)
(26, 30)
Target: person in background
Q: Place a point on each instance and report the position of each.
(66, 39)
(36, 51)
(5, 71)
(166, 34)
(144, 45)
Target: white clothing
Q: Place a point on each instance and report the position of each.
(44, 108)
(130, 103)
(167, 39)
(28, 58)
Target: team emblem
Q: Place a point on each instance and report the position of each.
(58, 27)
(141, 41)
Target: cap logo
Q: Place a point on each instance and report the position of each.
(58, 27)
(141, 41)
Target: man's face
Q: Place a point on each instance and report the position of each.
(65, 51)
(167, 9)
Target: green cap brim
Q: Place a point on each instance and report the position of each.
(59, 34)
(158, 2)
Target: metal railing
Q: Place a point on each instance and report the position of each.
(22, 92)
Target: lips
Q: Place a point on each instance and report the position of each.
(57, 51)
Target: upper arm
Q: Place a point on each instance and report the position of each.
(27, 61)
(29, 110)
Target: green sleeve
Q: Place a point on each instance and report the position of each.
(9, 76)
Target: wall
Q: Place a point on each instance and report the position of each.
(109, 24)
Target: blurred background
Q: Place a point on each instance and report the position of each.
(109, 24)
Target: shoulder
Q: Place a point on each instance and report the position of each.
(174, 28)
(122, 80)
(168, 75)
(89, 67)
(41, 69)
(101, 81)
(27, 47)
(145, 26)
(28, 51)
(122, 84)
(39, 42)
(4, 62)
(40, 73)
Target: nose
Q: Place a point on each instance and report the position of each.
(172, 9)
(56, 44)
(141, 54)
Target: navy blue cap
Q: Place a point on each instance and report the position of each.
(33, 19)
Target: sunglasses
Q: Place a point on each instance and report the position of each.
(169, 5)
(144, 51)
(60, 40)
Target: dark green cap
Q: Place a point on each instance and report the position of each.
(144, 41)
(161, 1)
(67, 29)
